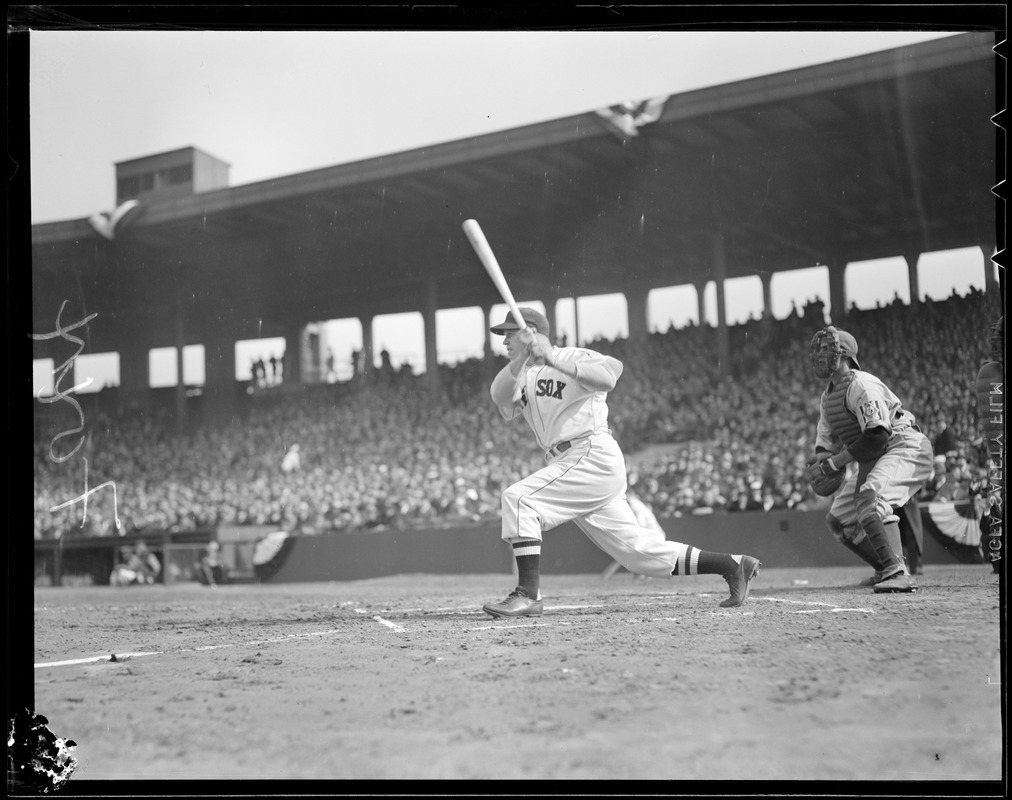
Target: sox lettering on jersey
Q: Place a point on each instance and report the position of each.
(549, 388)
(546, 388)
(556, 405)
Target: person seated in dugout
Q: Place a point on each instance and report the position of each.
(137, 565)
(210, 568)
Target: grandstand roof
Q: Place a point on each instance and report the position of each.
(861, 158)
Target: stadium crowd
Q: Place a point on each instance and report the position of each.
(379, 451)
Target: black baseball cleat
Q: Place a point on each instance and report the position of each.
(873, 579)
(740, 581)
(899, 581)
(516, 604)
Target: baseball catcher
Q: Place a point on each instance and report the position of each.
(862, 422)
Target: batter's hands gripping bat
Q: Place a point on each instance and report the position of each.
(481, 246)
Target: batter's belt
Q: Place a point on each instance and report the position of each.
(558, 449)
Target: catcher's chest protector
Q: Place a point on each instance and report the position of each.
(834, 405)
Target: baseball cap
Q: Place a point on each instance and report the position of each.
(848, 346)
(534, 319)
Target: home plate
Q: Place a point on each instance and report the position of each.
(831, 606)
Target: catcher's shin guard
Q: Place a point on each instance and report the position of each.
(895, 539)
(864, 550)
(854, 539)
(885, 539)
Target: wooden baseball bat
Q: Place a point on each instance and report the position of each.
(476, 237)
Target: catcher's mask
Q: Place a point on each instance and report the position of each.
(828, 346)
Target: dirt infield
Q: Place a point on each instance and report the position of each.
(404, 677)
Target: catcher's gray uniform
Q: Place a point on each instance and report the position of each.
(896, 475)
(861, 420)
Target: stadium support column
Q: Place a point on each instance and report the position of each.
(767, 279)
(367, 346)
(915, 285)
(991, 286)
(134, 379)
(636, 310)
(701, 302)
(489, 364)
(576, 321)
(487, 311)
(180, 344)
(291, 366)
(551, 301)
(719, 276)
(837, 291)
(220, 383)
(429, 321)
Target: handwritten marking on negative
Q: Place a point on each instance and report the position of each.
(87, 493)
(63, 331)
(61, 372)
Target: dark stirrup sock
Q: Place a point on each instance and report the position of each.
(703, 562)
(528, 556)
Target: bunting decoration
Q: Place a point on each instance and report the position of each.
(625, 119)
(106, 225)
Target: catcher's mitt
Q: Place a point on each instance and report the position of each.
(823, 478)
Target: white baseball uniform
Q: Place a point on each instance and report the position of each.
(584, 479)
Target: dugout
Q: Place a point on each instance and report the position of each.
(89, 560)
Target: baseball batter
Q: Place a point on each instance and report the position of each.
(646, 518)
(562, 394)
(862, 421)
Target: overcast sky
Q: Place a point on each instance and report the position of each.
(281, 103)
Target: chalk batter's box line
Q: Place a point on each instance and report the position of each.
(115, 657)
(469, 611)
(500, 624)
(397, 628)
